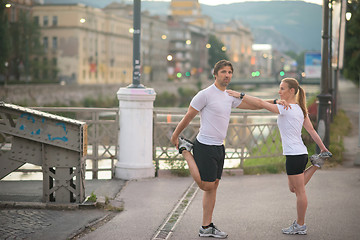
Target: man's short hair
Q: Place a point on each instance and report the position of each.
(222, 63)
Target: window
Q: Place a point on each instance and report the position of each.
(54, 42)
(54, 21)
(45, 42)
(54, 74)
(54, 61)
(36, 20)
(45, 20)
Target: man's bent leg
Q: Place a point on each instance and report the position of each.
(194, 171)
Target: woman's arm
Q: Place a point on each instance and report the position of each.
(255, 103)
(261, 103)
(314, 135)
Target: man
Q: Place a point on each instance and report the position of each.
(206, 165)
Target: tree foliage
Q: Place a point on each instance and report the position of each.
(215, 51)
(20, 45)
(352, 43)
(299, 58)
(4, 38)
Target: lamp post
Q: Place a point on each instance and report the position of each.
(135, 157)
(324, 109)
(136, 45)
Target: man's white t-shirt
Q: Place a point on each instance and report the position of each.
(290, 123)
(214, 106)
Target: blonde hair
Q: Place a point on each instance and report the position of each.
(299, 92)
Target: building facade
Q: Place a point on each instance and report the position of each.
(154, 42)
(238, 41)
(86, 45)
(188, 54)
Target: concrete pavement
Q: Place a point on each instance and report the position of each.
(248, 207)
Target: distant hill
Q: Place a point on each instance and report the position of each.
(287, 25)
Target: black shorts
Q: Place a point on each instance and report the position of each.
(209, 160)
(296, 164)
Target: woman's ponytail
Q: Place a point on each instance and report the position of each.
(301, 99)
(299, 92)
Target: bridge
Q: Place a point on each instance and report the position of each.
(269, 81)
(55, 143)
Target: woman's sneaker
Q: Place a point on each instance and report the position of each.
(212, 231)
(295, 229)
(185, 144)
(318, 159)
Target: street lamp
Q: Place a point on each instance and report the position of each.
(348, 16)
(82, 20)
(8, 5)
(324, 108)
(136, 45)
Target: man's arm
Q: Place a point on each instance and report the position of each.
(189, 116)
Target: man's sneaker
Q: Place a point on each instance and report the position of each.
(318, 159)
(212, 231)
(295, 229)
(185, 144)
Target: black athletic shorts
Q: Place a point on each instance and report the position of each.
(296, 164)
(209, 160)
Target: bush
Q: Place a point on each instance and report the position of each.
(186, 94)
(165, 99)
(340, 127)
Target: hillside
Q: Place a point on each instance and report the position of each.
(288, 25)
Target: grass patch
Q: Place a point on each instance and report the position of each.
(340, 127)
(178, 168)
(263, 165)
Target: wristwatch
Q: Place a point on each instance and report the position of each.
(242, 95)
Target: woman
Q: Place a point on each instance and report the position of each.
(290, 122)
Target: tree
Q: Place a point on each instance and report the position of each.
(299, 58)
(352, 46)
(25, 47)
(216, 52)
(4, 39)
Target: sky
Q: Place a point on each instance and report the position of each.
(217, 2)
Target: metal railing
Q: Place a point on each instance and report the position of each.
(251, 134)
(102, 137)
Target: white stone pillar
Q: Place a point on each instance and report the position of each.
(135, 158)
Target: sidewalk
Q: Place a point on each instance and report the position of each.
(248, 207)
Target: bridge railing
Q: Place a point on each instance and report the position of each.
(102, 135)
(251, 134)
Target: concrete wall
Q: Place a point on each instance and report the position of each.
(39, 95)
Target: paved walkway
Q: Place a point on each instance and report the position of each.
(248, 207)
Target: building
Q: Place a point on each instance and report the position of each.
(188, 54)
(238, 41)
(189, 11)
(263, 59)
(154, 42)
(16, 8)
(85, 44)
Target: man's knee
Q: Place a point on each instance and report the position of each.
(209, 186)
